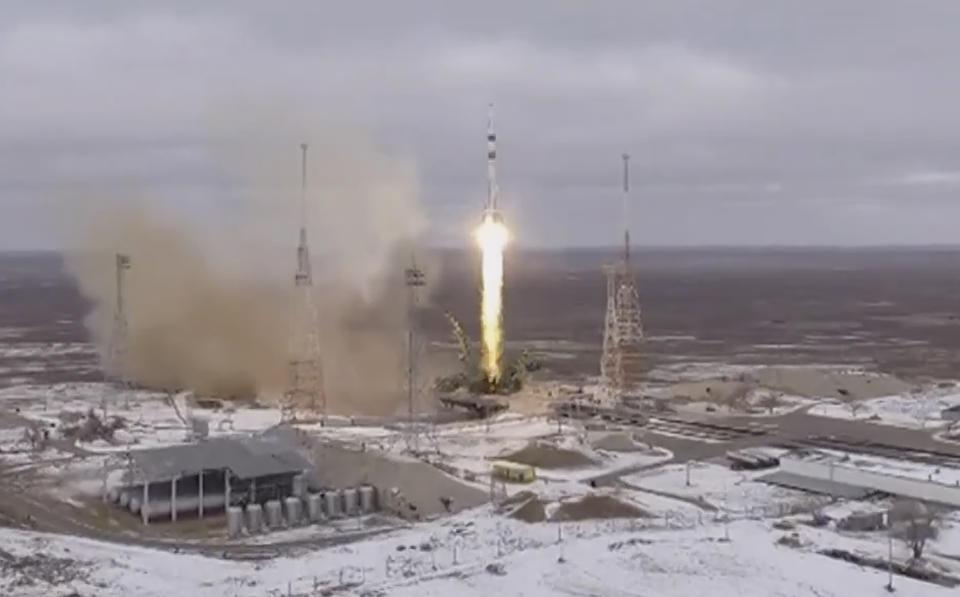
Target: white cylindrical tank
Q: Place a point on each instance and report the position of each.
(300, 486)
(113, 495)
(388, 499)
(293, 507)
(124, 499)
(368, 502)
(134, 505)
(273, 513)
(234, 521)
(254, 518)
(331, 501)
(350, 502)
(315, 507)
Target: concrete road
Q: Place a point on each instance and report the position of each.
(798, 427)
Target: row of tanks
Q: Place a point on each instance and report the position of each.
(295, 511)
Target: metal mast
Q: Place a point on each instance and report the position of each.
(414, 280)
(305, 383)
(621, 362)
(118, 363)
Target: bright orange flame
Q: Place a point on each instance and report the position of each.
(492, 237)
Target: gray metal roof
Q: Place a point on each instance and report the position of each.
(821, 486)
(246, 459)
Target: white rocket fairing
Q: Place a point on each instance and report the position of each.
(490, 208)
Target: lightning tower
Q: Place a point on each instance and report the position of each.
(414, 279)
(622, 361)
(305, 372)
(118, 364)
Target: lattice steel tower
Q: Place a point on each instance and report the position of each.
(414, 279)
(305, 370)
(118, 365)
(622, 361)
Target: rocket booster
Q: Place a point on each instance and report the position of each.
(490, 207)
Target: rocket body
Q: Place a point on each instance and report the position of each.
(491, 210)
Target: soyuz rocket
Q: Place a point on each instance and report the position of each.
(491, 209)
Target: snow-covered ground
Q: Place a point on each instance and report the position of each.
(150, 417)
(914, 410)
(718, 487)
(451, 558)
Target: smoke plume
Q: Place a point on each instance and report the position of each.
(208, 296)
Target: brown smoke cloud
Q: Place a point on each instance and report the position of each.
(208, 301)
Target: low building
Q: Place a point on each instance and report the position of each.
(863, 521)
(951, 414)
(209, 476)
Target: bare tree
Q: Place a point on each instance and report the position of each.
(855, 406)
(914, 523)
(770, 401)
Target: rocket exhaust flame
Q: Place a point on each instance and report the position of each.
(492, 237)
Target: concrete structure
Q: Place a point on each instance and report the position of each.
(831, 470)
(196, 479)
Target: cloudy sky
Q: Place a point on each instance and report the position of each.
(749, 122)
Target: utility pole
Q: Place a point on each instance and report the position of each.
(890, 561)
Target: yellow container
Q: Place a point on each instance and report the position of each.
(513, 471)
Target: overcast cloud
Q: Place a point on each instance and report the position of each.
(749, 122)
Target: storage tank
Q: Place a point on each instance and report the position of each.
(330, 503)
(124, 499)
(367, 499)
(134, 505)
(114, 495)
(274, 514)
(388, 498)
(350, 502)
(300, 486)
(254, 518)
(293, 507)
(234, 521)
(315, 507)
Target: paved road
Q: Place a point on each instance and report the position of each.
(797, 427)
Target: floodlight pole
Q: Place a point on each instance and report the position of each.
(890, 561)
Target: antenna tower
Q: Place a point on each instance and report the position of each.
(305, 371)
(621, 362)
(414, 279)
(118, 347)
